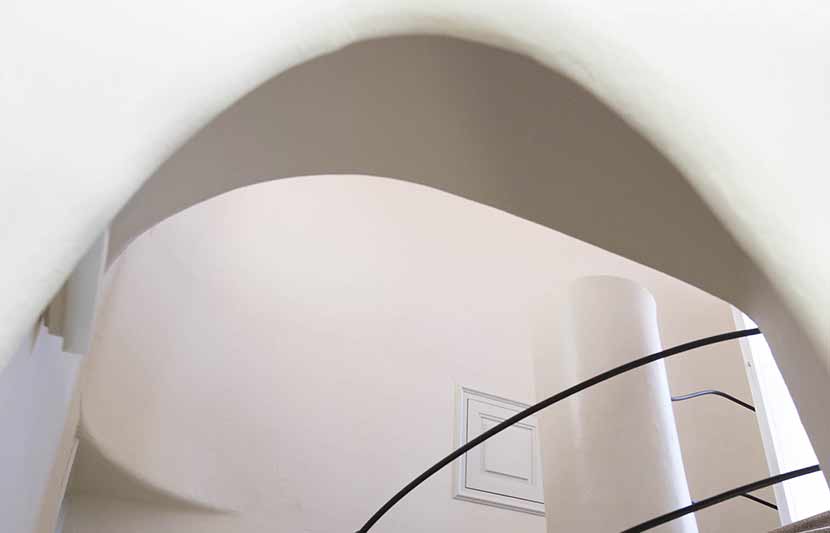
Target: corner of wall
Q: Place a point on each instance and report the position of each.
(53, 494)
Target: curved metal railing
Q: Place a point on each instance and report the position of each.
(599, 378)
(713, 392)
(756, 499)
(722, 497)
(726, 395)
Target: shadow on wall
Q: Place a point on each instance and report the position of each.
(493, 127)
(36, 391)
(267, 345)
(481, 123)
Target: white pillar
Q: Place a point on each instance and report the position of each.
(611, 453)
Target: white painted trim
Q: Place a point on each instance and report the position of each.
(460, 490)
(763, 422)
(71, 313)
(65, 484)
(68, 471)
(82, 291)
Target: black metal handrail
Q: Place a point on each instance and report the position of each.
(762, 501)
(714, 392)
(722, 497)
(495, 430)
(755, 499)
(726, 395)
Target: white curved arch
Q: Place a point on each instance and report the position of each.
(735, 95)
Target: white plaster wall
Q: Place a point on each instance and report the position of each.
(289, 351)
(94, 105)
(35, 395)
(630, 465)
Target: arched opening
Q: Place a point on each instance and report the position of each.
(497, 128)
(272, 373)
(482, 123)
(136, 99)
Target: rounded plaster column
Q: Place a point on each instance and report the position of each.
(611, 453)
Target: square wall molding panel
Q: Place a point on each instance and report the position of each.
(505, 471)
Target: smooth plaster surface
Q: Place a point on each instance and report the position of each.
(93, 106)
(36, 393)
(256, 378)
(628, 464)
(499, 129)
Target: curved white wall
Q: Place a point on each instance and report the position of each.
(37, 391)
(234, 365)
(611, 454)
(94, 106)
(501, 129)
